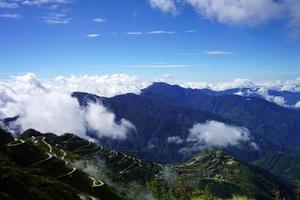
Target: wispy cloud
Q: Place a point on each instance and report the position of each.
(160, 32)
(8, 5)
(93, 35)
(56, 18)
(134, 33)
(190, 31)
(59, 17)
(10, 15)
(165, 66)
(218, 53)
(44, 2)
(99, 20)
(190, 54)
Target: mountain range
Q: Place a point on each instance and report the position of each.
(165, 111)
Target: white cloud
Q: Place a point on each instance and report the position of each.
(258, 88)
(102, 121)
(52, 112)
(237, 12)
(48, 108)
(263, 92)
(164, 5)
(160, 32)
(241, 12)
(93, 35)
(99, 20)
(56, 18)
(218, 53)
(122, 83)
(217, 134)
(105, 85)
(10, 15)
(249, 13)
(297, 105)
(174, 139)
(237, 83)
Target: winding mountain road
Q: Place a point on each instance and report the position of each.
(15, 143)
(96, 182)
(44, 160)
(67, 174)
(126, 170)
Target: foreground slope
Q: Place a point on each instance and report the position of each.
(47, 166)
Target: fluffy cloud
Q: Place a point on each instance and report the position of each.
(164, 5)
(217, 134)
(241, 12)
(263, 92)
(52, 112)
(107, 86)
(237, 12)
(237, 83)
(48, 108)
(103, 122)
(297, 105)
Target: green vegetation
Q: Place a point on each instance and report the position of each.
(216, 175)
(68, 167)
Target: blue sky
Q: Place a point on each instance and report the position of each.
(187, 39)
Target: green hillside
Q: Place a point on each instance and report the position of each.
(47, 166)
(223, 176)
(282, 165)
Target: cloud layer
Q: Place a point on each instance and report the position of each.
(48, 108)
(39, 103)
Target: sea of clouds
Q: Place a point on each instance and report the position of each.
(47, 105)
